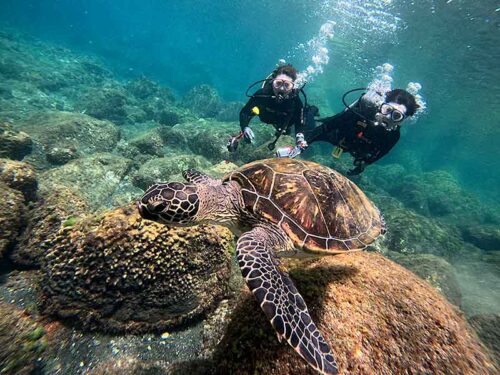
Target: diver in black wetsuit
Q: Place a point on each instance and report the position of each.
(277, 103)
(366, 129)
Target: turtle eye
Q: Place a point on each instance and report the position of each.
(157, 207)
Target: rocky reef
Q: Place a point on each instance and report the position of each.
(377, 316)
(12, 211)
(21, 342)
(119, 273)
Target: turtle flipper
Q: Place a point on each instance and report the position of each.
(197, 177)
(279, 299)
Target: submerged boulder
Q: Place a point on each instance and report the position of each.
(64, 136)
(209, 139)
(487, 327)
(56, 209)
(411, 233)
(14, 144)
(19, 176)
(120, 273)
(486, 237)
(21, 342)
(167, 168)
(378, 317)
(12, 212)
(203, 100)
(433, 269)
(95, 178)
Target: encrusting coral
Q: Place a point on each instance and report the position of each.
(119, 273)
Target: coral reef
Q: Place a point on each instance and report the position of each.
(229, 112)
(488, 329)
(149, 143)
(435, 270)
(94, 178)
(434, 194)
(167, 168)
(21, 342)
(57, 209)
(377, 316)
(486, 237)
(203, 100)
(12, 211)
(409, 232)
(64, 136)
(14, 144)
(19, 176)
(117, 272)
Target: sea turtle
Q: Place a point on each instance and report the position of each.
(278, 207)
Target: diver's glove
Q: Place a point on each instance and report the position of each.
(300, 141)
(248, 134)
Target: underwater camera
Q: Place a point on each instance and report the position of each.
(232, 142)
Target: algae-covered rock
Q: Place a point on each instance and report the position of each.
(378, 318)
(19, 176)
(149, 142)
(163, 169)
(433, 194)
(12, 212)
(58, 208)
(229, 112)
(487, 327)
(117, 272)
(203, 100)
(143, 88)
(209, 139)
(409, 232)
(94, 179)
(14, 144)
(433, 269)
(107, 102)
(486, 237)
(65, 136)
(21, 342)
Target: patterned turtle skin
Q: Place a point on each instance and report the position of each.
(319, 209)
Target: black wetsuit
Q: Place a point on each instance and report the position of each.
(283, 115)
(365, 141)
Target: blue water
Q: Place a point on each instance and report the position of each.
(450, 47)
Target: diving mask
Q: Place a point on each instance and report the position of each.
(390, 115)
(282, 85)
(396, 114)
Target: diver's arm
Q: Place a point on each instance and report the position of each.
(246, 113)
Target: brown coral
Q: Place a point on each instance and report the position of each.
(118, 272)
(56, 209)
(12, 211)
(21, 341)
(378, 317)
(20, 176)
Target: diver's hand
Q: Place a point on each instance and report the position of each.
(248, 134)
(360, 167)
(300, 141)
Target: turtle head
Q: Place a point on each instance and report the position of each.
(170, 203)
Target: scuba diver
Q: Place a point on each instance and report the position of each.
(367, 129)
(277, 103)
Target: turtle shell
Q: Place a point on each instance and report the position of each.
(318, 208)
